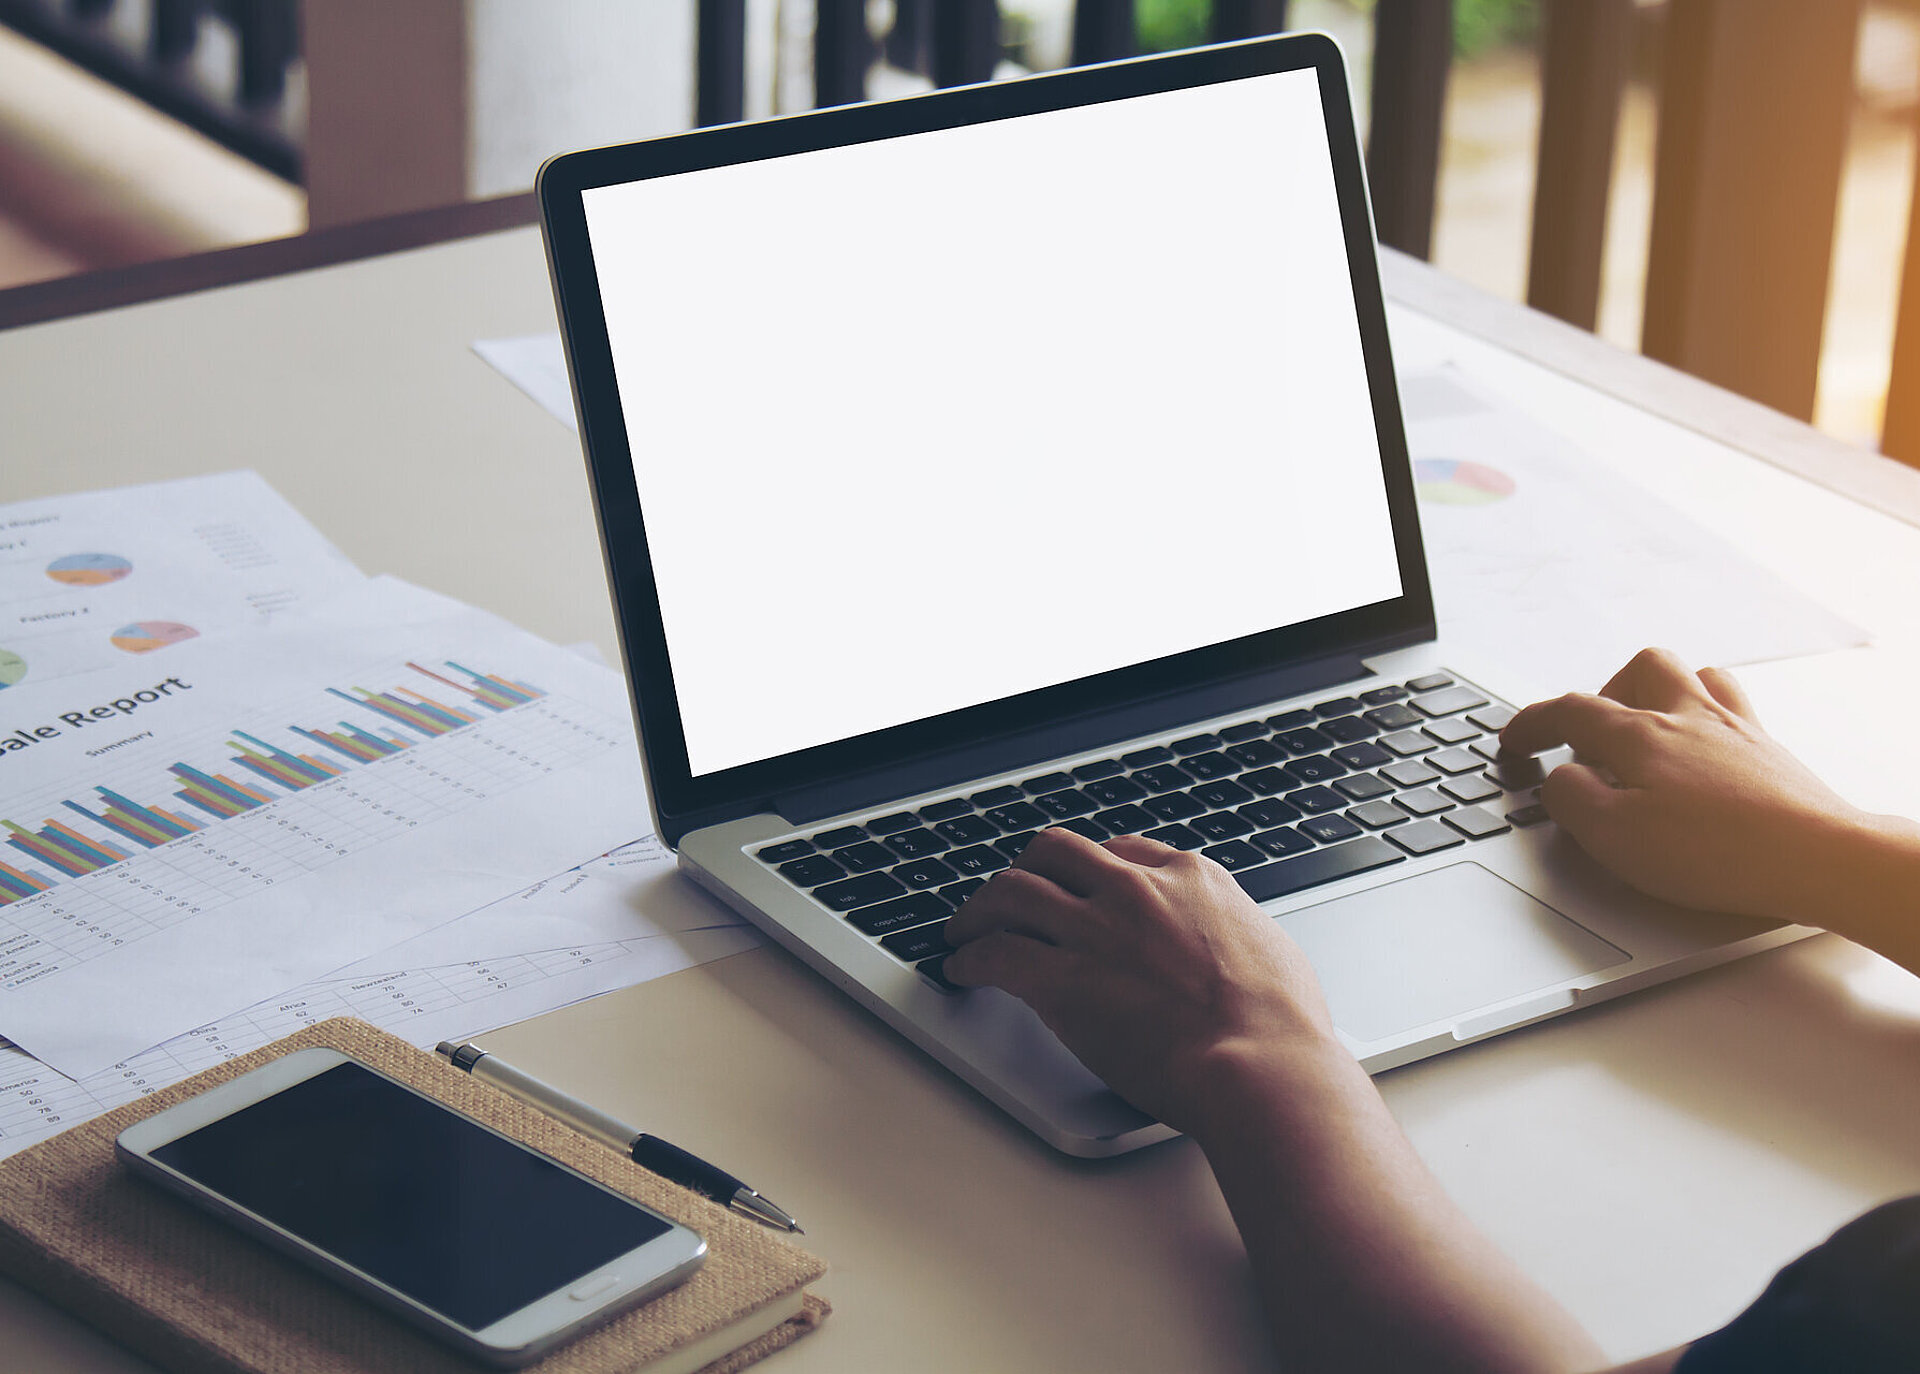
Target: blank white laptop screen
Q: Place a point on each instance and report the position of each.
(934, 420)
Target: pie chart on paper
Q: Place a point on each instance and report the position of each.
(89, 569)
(144, 636)
(1458, 482)
(12, 668)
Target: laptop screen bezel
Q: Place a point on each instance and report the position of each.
(682, 800)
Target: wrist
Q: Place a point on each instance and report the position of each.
(1871, 870)
(1257, 1085)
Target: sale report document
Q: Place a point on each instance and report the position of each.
(186, 833)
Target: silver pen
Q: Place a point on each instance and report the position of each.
(648, 1151)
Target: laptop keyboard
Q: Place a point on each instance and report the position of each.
(1285, 803)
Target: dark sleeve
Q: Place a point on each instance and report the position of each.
(1852, 1304)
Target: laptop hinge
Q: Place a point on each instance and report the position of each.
(984, 758)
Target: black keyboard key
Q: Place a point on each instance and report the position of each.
(1328, 829)
(1082, 825)
(1210, 765)
(1322, 866)
(1269, 811)
(1525, 816)
(1246, 730)
(1492, 719)
(781, 853)
(914, 844)
(967, 829)
(945, 810)
(1305, 740)
(1127, 820)
(1061, 805)
(1315, 800)
(1195, 744)
(1425, 837)
(1474, 787)
(1175, 806)
(1380, 696)
(1476, 822)
(1018, 815)
(1267, 781)
(1408, 774)
(1257, 753)
(1282, 843)
(899, 820)
(1451, 730)
(997, 796)
(1234, 855)
(1162, 777)
(1046, 782)
(1408, 743)
(1011, 845)
(924, 873)
(1394, 717)
(1347, 729)
(1422, 801)
(1099, 768)
(1431, 682)
(841, 838)
(1176, 835)
(864, 857)
(1452, 761)
(1222, 825)
(1363, 786)
(977, 861)
(1113, 791)
(1359, 756)
(1338, 706)
(924, 942)
(1448, 702)
(955, 894)
(934, 970)
(1316, 768)
(811, 871)
(1146, 758)
(864, 890)
(1516, 773)
(902, 913)
(1226, 792)
(1290, 720)
(1378, 815)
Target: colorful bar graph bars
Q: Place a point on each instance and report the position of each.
(223, 796)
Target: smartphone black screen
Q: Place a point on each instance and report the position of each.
(420, 1198)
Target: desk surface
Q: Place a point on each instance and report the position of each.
(1652, 1160)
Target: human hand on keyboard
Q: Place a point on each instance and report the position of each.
(1678, 790)
(1151, 964)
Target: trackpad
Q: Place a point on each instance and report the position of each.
(1442, 945)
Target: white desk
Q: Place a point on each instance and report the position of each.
(1652, 1160)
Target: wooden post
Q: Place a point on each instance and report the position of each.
(1102, 31)
(1233, 19)
(720, 84)
(1412, 51)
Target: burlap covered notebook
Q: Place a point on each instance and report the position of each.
(192, 1294)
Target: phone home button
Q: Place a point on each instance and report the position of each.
(593, 1288)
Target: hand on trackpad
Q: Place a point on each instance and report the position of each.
(1442, 945)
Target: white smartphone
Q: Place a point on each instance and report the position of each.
(492, 1247)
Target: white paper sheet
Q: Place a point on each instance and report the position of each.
(536, 364)
(613, 900)
(305, 877)
(1543, 559)
(100, 578)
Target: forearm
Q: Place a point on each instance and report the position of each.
(1870, 890)
(1362, 1260)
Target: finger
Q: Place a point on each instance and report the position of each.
(1578, 798)
(1022, 966)
(1138, 849)
(1070, 859)
(1595, 726)
(1655, 680)
(1724, 688)
(1019, 901)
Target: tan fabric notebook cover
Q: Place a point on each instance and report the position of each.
(191, 1294)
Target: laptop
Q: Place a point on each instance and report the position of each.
(1029, 454)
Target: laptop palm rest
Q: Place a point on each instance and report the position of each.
(1442, 945)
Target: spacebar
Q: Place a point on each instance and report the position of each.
(1322, 866)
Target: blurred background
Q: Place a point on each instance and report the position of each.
(1724, 184)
